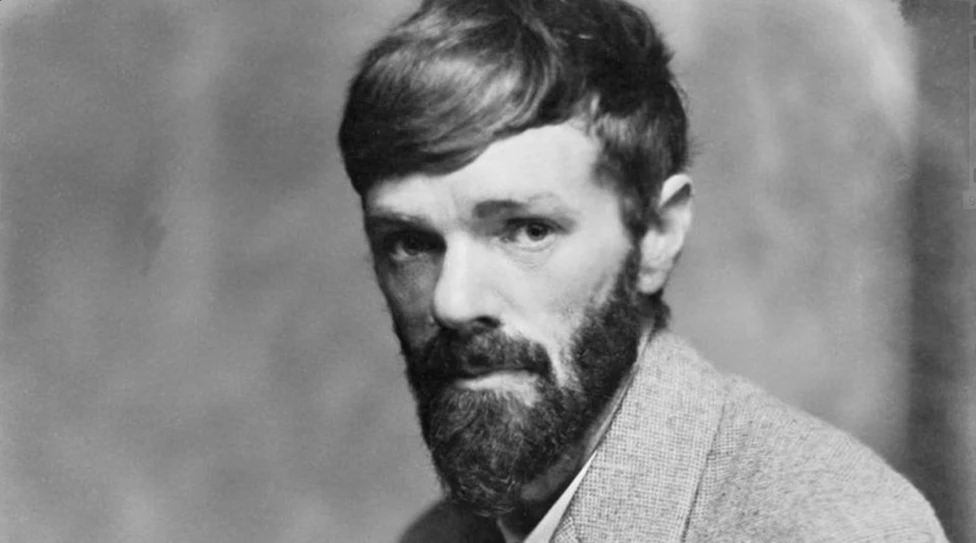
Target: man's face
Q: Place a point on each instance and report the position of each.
(510, 283)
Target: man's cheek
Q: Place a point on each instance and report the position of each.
(408, 297)
(590, 286)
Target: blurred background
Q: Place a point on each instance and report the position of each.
(191, 344)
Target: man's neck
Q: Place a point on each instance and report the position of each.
(539, 495)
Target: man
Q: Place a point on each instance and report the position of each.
(521, 169)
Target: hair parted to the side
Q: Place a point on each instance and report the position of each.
(458, 75)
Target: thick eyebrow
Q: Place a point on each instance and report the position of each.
(538, 203)
(386, 218)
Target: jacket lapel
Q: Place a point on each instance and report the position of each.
(644, 475)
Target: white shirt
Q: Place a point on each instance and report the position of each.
(546, 528)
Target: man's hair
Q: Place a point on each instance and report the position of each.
(459, 75)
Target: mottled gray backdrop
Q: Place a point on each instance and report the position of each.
(193, 349)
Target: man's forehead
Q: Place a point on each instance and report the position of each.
(548, 167)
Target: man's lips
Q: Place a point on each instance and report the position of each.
(491, 372)
(471, 373)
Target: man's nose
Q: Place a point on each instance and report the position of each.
(463, 298)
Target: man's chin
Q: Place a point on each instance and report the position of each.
(487, 441)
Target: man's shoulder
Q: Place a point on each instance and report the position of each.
(775, 471)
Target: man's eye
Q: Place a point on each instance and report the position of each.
(408, 245)
(530, 233)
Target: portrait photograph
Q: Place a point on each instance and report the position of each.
(511, 271)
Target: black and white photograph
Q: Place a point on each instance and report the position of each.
(487, 271)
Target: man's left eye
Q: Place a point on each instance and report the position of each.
(530, 233)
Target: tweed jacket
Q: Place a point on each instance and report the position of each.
(693, 455)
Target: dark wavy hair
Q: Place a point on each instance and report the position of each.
(458, 75)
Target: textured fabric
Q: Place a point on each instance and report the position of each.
(693, 455)
(546, 528)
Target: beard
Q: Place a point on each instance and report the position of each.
(487, 445)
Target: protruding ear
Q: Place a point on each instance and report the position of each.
(661, 245)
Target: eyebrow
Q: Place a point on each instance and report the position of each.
(547, 202)
(385, 217)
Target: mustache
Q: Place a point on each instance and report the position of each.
(450, 355)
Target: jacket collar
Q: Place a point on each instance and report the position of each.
(644, 476)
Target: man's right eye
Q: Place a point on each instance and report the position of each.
(406, 246)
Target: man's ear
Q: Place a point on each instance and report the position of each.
(662, 244)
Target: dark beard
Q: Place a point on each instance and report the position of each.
(486, 445)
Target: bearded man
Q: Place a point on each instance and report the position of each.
(521, 167)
